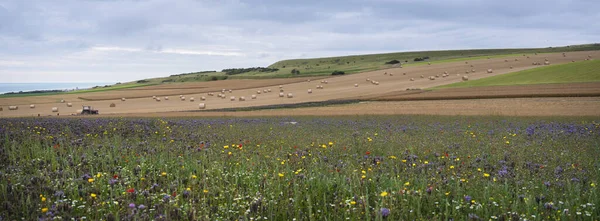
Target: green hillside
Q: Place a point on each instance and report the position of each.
(362, 63)
(584, 71)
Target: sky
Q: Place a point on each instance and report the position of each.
(126, 40)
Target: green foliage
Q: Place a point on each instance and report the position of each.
(234, 71)
(393, 62)
(338, 73)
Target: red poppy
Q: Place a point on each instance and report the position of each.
(130, 190)
(368, 153)
(174, 194)
(115, 176)
(56, 146)
(446, 154)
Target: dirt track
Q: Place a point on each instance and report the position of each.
(338, 88)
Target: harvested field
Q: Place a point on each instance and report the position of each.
(338, 88)
(516, 91)
(566, 106)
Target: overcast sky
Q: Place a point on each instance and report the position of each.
(124, 40)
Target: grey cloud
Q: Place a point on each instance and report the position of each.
(127, 40)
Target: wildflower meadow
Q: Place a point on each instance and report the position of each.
(301, 168)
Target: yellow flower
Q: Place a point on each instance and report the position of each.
(479, 169)
(226, 146)
(407, 184)
(283, 162)
(383, 194)
(426, 162)
(229, 153)
(281, 175)
(90, 180)
(403, 161)
(93, 195)
(447, 193)
(98, 175)
(194, 177)
(507, 142)
(363, 172)
(363, 176)
(163, 173)
(451, 167)
(472, 201)
(486, 175)
(189, 189)
(330, 143)
(393, 157)
(205, 191)
(352, 202)
(592, 184)
(43, 199)
(44, 210)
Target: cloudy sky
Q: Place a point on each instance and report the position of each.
(124, 40)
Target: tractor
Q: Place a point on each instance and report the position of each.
(88, 110)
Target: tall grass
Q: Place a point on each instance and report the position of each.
(305, 168)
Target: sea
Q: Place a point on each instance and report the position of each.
(16, 87)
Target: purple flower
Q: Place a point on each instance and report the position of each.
(141, 206)
(473, 216)
(468, 198)
(385, 212)
(547, 183)
(132, 205)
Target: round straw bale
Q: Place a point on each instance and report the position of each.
(203, 98)
(473, 70)
(355, 85)
(269, 90)
(62, 101)
(112, 105)
(308, 80)
(242, 98)
(422, 76)
(376, 82)
(310, 91)
(166, 98)
(54, 109)
(489, 71)
(192, 99)
(412, 79)
(232, 98)
(202, 106)
(13, 107)
(69, 104)
(182, 98)
(281, 90)
(230, 91)
(259, 91)
(465, 78)
(290, 95)
(368, 79)
(280, 86)
(158, 99)
(32, 106)
(265, 91)
(391, 74)
(123, 99)
(281, 95)
(546, 63)
(254, 96)
(325, 82)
